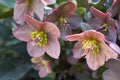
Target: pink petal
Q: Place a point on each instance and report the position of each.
(66, 9)
(50, 1)
(108, 52)
(51, 29)
(32, 22)
(23, 32)
(20, 10)
(77, 50)
(44, 71)
(94, 61)
(53, 48)
(76, 37)
(35, 51)
(98, 14)
(38, 9)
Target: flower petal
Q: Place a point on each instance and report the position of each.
(35, 51)
(108, 52)
(94, 61)
(20, 10)
(38, 9)
(51, 29)
(78, 51)
(50, 1)
(23, 32)
(74, 21)
(66, 9)
(32, 22)
(44, 71)
(53, 48)
(98, 14)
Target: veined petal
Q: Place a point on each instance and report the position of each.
(75, 37)
(53, 48)
(33, 23)
(94, 61)
(38, 9)
(50, 1)
(98, 14)
(78, 52)
(51, 29)
(108, 52)
(118, 29)
(66, 9)
(20, 10)
(74, 21)
(44, 71)
(23, 32)
(35, 51)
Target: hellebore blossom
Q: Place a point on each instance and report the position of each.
(104, 23)
(28, 7)
(42, 66)
(41, 37)
(91, 44)
(65, 19)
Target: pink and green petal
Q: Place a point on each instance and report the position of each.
(78, 51)
(94, 61)
(38, 9)
(53, 48)
(51, 29)
(33, 23)
(35, 51)
(98, 14)
(20, 10)
(108, 52)
(23, 32)
(50, 1)
(44, 71)
(66, 9)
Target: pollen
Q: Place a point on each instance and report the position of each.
(105, 26)
(39, 38)
(28, 2)
(92, 45)
(62, 22)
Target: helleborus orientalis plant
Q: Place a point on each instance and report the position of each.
(41, 37)
(66, 39)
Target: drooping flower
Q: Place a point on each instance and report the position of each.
(104, 23)
(91, 44)
(41, 37)
(28, 7)
(41, 65)
(65, 18)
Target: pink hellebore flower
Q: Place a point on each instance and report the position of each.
(104, 23)
(42, 66)
(41, 37)
(28, 7)
(65, 18)
(92, 45)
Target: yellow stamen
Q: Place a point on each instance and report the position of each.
(92, 45)
(41, 38)
(28, 2)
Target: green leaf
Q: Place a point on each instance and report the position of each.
(8, 3)
(14, 71)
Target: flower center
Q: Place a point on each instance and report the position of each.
(28, 2)
(62, 22)
(92, 45)
(39, 38)
(105, 26)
